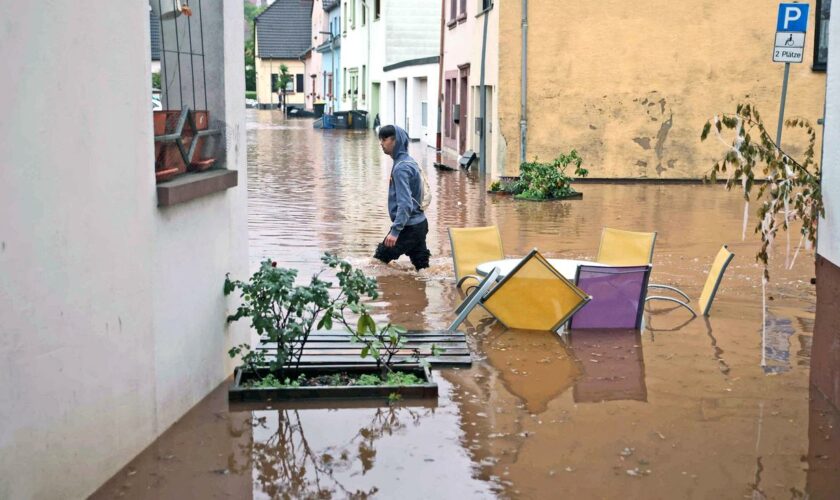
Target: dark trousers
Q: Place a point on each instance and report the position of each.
(411, 242)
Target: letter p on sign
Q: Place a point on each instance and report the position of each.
(793, 18)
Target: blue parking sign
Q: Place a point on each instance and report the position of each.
(793, 18)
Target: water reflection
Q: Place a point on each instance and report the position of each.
(534, 366)
(613, 365)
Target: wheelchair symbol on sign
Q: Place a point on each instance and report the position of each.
(789, 42)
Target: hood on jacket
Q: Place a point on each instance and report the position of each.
(400, 151)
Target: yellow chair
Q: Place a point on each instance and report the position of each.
(534, 296)
(626, 248)
(710, 288)
(472, 246)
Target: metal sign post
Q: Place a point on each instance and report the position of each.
(789, 47)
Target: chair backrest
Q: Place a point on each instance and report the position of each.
(721, 262)
(472, 246)
(626, 248)
(534, 296)
(618, 296)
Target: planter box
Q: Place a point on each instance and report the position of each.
(239, 393)
(576, 196)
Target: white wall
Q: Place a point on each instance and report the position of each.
(422, 85)
(113, 317)
(829, 229)
(412, 30)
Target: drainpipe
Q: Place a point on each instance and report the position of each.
(438, 140)
(482, 145)
(523, 113)
(365, 90)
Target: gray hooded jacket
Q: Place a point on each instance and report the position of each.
(405, 187)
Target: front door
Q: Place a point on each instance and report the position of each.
(463, 100)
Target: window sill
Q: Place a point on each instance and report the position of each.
(188, 187)
(452, 23)
(462, 18)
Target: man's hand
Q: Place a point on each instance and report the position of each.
(390, 241)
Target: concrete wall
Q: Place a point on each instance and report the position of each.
(829, 235)
(825, 366)
(267, 67)
(630, 84)
(113, 317)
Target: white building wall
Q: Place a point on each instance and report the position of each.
(412, 30)
(113, 316)
(355, 54)
(422, 83)
(828, 244)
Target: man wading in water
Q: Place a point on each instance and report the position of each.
(405, 195)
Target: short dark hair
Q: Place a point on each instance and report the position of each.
(387, 131)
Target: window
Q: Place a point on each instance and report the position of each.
(346, 16)
(352, 14)
(377, 9)
(344, 85)
(424, 113)
(486, 4)
(453, 10)
(364, 14)
(298, 83)
(821, 35)
(273, 81)
(463, 10)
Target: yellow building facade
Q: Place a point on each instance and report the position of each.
(630, 84)
(266, 68)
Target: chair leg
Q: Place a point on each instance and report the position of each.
(465, 278)
(671, 299)
(673, 289)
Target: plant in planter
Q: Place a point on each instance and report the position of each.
(544, 181)
(285, 315)
(792, 187)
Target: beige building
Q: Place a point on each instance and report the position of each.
(630, 84)
(283, 35)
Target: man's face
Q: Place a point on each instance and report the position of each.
(388, 144)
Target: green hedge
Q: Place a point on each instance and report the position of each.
(250, 94)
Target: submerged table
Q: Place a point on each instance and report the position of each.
(566, 267)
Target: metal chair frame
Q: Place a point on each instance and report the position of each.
(712, 295)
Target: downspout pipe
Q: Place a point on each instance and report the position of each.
(482, 131)
(523, 112)
(438, 139)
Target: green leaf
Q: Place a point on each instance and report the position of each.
(706, 129)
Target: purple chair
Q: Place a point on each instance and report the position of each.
(618, 296)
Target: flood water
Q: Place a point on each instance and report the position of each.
(702, 408)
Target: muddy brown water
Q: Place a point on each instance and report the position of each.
(682, 409)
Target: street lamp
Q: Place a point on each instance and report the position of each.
(332, 68)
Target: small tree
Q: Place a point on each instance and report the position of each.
(792, 187)
(282, 81)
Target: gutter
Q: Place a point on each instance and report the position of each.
(523, 112)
